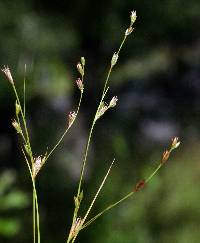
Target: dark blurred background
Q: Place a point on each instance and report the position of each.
(157, 81)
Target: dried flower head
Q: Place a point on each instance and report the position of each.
(7, 73)
(114, 59)
(17, 127)
(175, 143)
(165, 156)
(139, 185)
(71, 118)
(113, 101)
(80, 85)
(133, 17)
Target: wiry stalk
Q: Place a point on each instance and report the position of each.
(65, 132)
(140, 184)
(105, 89)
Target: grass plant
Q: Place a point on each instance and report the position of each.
(36, 163)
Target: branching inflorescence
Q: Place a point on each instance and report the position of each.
(35, 163)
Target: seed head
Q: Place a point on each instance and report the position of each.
(175, 143)
(165, 156)
(38, 163)
(71, 118)
(7, 73)
(114, 59)
(80, 85)
(113, 101)
(102, 109)
(80, 68)
(129, 31)
(17, 127)
(133, 17)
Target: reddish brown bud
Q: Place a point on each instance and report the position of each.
(165, 156)
(139, 185)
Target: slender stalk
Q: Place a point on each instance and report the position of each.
(35, 198)
(65, 132)
(108, 208)
(98, 191)
(105, 89)
(34, 223)
(25, 90)
(122, 199)
(24, 122)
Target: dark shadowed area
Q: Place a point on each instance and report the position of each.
(157, 82)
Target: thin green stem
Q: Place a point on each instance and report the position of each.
(108, 208)
(65, 132)
(24, 122)
(22, 134)
(98, 191)
(105, 89)
(34, 223)
(122, 199)
(35, 198)
(25, 90)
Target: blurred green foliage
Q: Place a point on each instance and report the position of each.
(11, 200)
(157, 83)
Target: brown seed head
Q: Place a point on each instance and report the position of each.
(165, 156)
